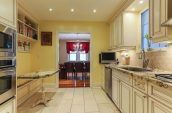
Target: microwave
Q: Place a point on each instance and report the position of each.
(107, 57)
(7, 84)
(7, 42)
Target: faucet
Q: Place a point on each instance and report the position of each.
(145, 61)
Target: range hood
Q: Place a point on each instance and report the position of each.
(168, 22)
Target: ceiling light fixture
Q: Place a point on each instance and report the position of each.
(72, 10)
(50, 9)
(141, 2)
(133, 9)
(94, 11)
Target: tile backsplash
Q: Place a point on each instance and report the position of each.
(158, 59)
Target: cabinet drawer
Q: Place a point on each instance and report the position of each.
(125, 77)
(22, 91)
(140, 83)
(161, 92)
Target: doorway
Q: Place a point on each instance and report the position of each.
(74, 60)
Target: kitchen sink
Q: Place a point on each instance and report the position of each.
(136, 69)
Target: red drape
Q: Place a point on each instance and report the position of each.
(79, 46)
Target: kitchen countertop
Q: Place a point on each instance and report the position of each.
(37, 75)
(149, 75)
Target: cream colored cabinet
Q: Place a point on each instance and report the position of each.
(115, 90)
(140, 102)
(158, 15)
(130, 30)
(8, 107)
(125, 98)
(8, 12)
(157, 107)
(113, 38)
(122, 32)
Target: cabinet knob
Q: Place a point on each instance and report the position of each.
(145, 96)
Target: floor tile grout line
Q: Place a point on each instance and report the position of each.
(72, 100)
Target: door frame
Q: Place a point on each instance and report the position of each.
(57, 55)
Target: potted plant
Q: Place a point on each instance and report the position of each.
(149, 41)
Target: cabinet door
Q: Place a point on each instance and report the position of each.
(118, 30)
(157, 17)
(140, 102)
(157, 107)
(111, 34)
(126, 98)
(115, 90)
(8, 12)
(9, 107)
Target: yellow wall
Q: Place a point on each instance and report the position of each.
(46, 57)
(23, 63)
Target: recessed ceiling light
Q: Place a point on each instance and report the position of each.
(141, 2)
(94, 11)
(72, 10)
(133, 9)
(50, 9)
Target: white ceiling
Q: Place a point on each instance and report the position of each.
(83, 9)
(137, 6)
(74, 36)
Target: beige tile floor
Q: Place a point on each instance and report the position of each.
(75, 100)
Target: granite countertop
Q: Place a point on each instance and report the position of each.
(37, 75)
(149, 75)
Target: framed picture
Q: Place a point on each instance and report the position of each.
(46, 38)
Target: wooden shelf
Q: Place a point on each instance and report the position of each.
(25, 38)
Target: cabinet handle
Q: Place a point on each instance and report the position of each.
(144, 96)
(165, 86)
(161, 84)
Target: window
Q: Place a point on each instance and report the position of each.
(83, 56)
(78, 56)
(146, 43)
(72, 56)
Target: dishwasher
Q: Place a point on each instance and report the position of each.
(108, 81)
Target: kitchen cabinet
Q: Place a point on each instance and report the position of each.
(113, 38)
(8, 107)
(140, 102)
(8, 12)
(158, 15)
(115, 90)
(121, 34)
(126, 98)
(157, 107)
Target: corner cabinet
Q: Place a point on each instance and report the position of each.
(158, 15)
(8, 12)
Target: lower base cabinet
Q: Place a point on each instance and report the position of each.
(8, 107)
(126, 98)
(157, 107)
(115, 90)
(140, 102)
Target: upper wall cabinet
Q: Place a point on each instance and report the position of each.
(123, 30)
(8, 12)
(158, 15)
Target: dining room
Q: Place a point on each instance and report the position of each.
(74, 60)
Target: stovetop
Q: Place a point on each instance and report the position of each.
(164, 77)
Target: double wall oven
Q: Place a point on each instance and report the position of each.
(7, 63)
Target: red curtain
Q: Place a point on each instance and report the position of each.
(77, 46)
